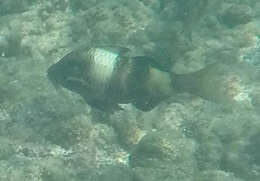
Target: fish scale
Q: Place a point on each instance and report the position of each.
(102, 67)
(106, 77)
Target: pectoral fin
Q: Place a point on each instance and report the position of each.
(108, 107)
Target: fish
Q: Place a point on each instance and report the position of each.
(107, 76)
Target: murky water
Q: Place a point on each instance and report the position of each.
(205, 132)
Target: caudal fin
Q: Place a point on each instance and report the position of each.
(218, 82)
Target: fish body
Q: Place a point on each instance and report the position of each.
(107, 76)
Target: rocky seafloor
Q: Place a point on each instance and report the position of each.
(47, 135)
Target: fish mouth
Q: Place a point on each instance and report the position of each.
(53, 75)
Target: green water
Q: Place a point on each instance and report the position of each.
(49, 134)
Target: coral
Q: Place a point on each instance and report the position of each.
(160, 155)
(236, 14)
(53, 135)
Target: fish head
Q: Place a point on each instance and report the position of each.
(67, 72)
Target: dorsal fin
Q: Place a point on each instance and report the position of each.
(118, 50)
(145, 60)
(121, 51)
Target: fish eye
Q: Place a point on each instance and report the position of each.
(75, 70)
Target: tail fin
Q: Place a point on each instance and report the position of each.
(218, 82)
